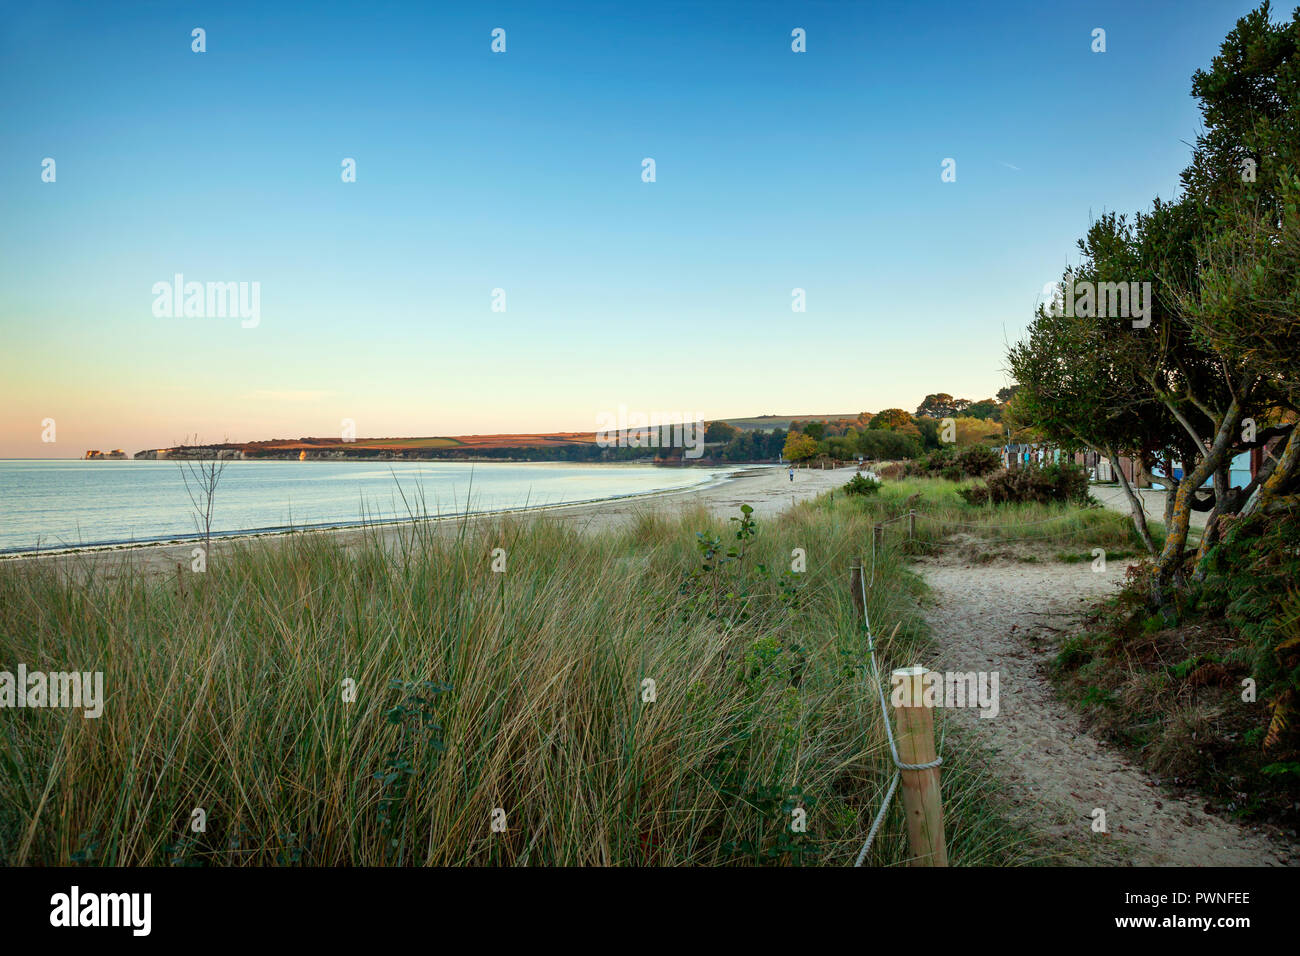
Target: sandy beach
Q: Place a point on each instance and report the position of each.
(767, 489)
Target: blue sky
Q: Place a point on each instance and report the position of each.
(522, 171)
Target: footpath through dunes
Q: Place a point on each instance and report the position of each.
(1010, 617)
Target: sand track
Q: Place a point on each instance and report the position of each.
(1000, 617)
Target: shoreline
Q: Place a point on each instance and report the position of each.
(766, 488)
(356, 525)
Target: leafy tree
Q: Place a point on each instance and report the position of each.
(894, 418)
(942, 405)
(972, 430)
(815, 430)
(842, 447)
(720, 431)
(986, 408)
(799, 446)
(884, 445)
(1218, 346)
(928, 433)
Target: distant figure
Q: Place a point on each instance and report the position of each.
(792, 474)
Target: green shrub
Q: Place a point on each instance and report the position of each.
(933, 463)
(974, 461)
(1046, 484)
(860, 485)
(978, 460)
(1251, 580)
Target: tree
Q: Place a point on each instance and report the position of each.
(201, 476)
(942, 405)
(971, 431)
(882, 444)
(1216, 346)
(1076, 391)
(894, 418)
(799, 446)
(987, 408)
(1248, 307)
(720, 431)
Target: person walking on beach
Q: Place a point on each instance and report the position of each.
(792, 473)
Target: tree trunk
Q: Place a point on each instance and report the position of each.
(1211, 532)
(1135, 505)
(1286, 468)
(1170, 562)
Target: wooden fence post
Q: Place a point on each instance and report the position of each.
(911, 525)
(921, 798)
(880, 537)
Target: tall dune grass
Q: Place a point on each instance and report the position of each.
(476, 692)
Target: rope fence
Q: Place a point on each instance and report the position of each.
(927, 791)
(916, 765)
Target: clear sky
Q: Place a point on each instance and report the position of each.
(522, 171)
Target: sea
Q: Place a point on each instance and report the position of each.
(60, 504)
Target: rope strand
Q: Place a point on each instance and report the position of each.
(884, 713)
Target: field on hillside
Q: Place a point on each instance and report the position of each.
(769, 422)
(549, 439)
(405, 443)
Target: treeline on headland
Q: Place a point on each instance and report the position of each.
(892, 434)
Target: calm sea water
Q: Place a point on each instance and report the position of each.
(60, 504)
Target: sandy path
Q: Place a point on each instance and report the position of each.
(996, 617)
(768, 490)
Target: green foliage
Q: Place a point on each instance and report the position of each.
(986, 408)
(1221, 329)
(885, 445)
(891, 418)
(1062, 483)
(978, 460)
(418, 744)
(720, 432)
(942, 405)
(1253, 582)
(799, 447)
(754, 446)
(861, 485)
(947, 462)
(722, 587)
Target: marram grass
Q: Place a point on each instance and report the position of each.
(498, 718)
